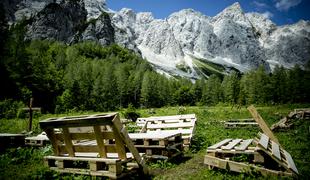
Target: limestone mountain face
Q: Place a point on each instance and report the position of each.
(185, 43)
(57, 21)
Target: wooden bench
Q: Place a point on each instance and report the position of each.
(184, 124)
(106, 157)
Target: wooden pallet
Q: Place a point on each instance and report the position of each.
(8, 140)
(241, 167)
(277, 153)
(158, 145)
(241, 123)
(109, 136)
(184, 124)
(39, 140)
(229, 148)
(89, 164)
(272, 159)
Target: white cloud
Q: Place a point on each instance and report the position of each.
(267, 14)
(284, 5)
(260, 4)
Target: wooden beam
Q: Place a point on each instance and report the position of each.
(100, 143)
(262, 124)
(68, 141)
(125, 137)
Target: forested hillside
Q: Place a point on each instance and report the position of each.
(88, 76)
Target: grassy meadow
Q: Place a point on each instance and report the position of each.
(27, 163)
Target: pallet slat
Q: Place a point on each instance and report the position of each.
(232, 144)
(217, 145)
(264, 140)
(290, 161)
(244, 145)
(275, 150)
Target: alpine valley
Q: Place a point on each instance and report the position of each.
(187, 43)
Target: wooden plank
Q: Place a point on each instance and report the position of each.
(171, 125)
(264, 140)
(232, 144)
(68, 141)
(244, 145)
(83, 136)
(217, 145)
(153, 135)
(214, 161)
(51, 136)
(125, 137)
(111, 148)
(275, 150)
(99, 138)
(120, 148)
(262, 124)
(104, 119)
(290, 161)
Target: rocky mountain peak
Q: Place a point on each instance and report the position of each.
(95, 8)
(182, 44)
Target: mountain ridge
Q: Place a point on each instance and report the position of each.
(232, 38)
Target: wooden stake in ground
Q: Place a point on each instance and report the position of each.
(262, 124)
(31, 109)
(30, 115)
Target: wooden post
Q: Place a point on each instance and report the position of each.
(30, 115)
(262, 124)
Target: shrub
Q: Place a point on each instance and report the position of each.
(9, 108)
(131, 113)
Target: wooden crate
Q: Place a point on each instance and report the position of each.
(158, 145)
(184, 124)
(110, 137)
(37, 141)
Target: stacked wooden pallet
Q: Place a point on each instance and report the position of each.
(73, 152)
(158, 145)
(184, 124)
(241, 156)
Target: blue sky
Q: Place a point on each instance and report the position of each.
(279, 11)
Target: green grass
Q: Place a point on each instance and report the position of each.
(209, 130)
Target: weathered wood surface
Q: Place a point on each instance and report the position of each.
(277, 153)
(184, 124)
(217, 145)
(244, 145)
(100, 134)
(39, 140)
(241, 167)
(288, 121)
(153, 135)
(276, 150)
(109, 167)
(232, 144)
(262, 124)
(264, 140)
